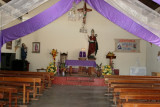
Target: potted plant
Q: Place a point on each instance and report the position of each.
(52, 66)
(99, 70)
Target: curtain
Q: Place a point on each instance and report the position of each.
(17, 8)
(140, 13)
(157, 1)
(123, 21)
(36, 22)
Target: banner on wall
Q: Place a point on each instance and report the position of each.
(127, 45)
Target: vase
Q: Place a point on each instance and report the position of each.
(99, 73)
(63, 73)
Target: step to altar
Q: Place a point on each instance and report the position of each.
(80, 81)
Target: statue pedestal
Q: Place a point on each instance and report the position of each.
(91, 59)
(91, 70)
(82, 58)
(80, 67)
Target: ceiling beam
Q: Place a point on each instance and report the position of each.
(150, 4)
(6, 1)
(2, 2)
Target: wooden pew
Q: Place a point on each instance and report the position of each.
(111, 79)
(27, 76)
(33, 81)
(18, 85)
(2, 103)
(116, 91)
(10, 91)
(49, 76)
(134, 84)
(1, 95)
(142, 96)
(11, 76)
(141, 104)
(129, 76)
(126, 81)
(131, 81)
(116, 85)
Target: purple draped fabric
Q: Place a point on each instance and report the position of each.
(157, 1)
(123, 21)
(35, 23)
(62, 7)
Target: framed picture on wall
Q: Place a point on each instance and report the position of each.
(36, 47)
(9, 45)
(127, 45)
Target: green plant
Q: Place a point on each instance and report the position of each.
(99, 67)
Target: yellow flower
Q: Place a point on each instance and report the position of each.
(102, 67)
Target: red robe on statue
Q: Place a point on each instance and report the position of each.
(92, 45)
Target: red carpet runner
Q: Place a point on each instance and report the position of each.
(82, 81)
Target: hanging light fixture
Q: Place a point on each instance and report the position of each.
(73, 14)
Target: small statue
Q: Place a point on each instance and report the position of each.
(23, 52)
(93, 45)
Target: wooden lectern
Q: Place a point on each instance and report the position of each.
(111, 58)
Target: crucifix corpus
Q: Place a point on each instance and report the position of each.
(84, 10)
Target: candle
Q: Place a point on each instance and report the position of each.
(82, 53)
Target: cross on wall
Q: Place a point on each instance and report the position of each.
(84, 10)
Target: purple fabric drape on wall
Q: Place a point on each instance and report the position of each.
(123, 21)
(62, 7)
(157, 1)
(35, 23)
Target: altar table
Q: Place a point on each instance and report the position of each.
(81, 63)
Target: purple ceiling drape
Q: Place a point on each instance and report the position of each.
(157, 1)
(123, 21)
(36, 23)
(62, 7)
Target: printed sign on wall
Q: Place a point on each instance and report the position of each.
(127, 45)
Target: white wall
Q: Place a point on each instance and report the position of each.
(64, 36)
(152, 63)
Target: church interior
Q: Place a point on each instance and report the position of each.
(84, 53)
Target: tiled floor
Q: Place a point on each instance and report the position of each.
(73, 96)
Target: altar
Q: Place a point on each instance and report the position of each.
(81, 63)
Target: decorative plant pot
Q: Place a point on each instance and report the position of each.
(63, 73)
(99, 73)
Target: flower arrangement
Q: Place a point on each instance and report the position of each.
(99, 70)
(54, 54)
(106, 70)
(52, 68)
(110, 54)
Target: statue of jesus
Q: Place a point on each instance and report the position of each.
(93, 45)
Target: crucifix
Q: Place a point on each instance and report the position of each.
(84, 10)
